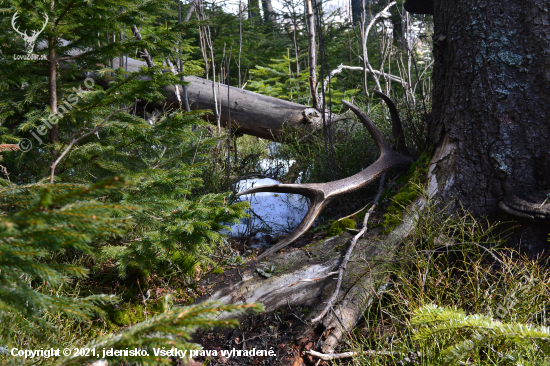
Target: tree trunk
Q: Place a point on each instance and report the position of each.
(253, 9)
(491, 107)
(312, 50)
(357, 9)
(269, 14)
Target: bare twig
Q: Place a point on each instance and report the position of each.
(339, 69)
(345, 261)
(364, 37)
(144, 54)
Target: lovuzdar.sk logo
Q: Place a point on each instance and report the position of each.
(30, 40)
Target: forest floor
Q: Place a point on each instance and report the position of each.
(269, 331)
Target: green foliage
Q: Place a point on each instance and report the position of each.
(156, 223)
(161, 161)
(174, 327)
(38, 221)
(339, 226)
(468, 334)
(278, 79)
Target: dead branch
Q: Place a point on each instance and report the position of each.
(364, 36)
(144, 54)
(345, 261)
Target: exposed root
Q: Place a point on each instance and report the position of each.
(534, 207)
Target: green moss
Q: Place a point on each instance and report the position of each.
(407, 194)
(339, 226)
(128, 315)
(340, 248)
(217, 271)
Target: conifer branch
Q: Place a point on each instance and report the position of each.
(81, 137)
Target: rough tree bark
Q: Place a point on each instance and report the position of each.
(491, 109)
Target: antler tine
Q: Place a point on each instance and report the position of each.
(317, 200)
(320, 194)
(371, 127)
(397, 128)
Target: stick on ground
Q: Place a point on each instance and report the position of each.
(353, 241)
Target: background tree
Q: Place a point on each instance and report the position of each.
(269, 13)
(254, 9)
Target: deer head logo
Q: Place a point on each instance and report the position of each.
(29, 40)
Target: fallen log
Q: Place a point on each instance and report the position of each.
(251, 113)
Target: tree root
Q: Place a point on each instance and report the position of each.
(534, 207)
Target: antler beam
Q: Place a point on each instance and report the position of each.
(320, 194)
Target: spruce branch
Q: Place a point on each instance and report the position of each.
(81, 137)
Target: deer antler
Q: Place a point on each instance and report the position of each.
(320, 194)
(13, 19)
